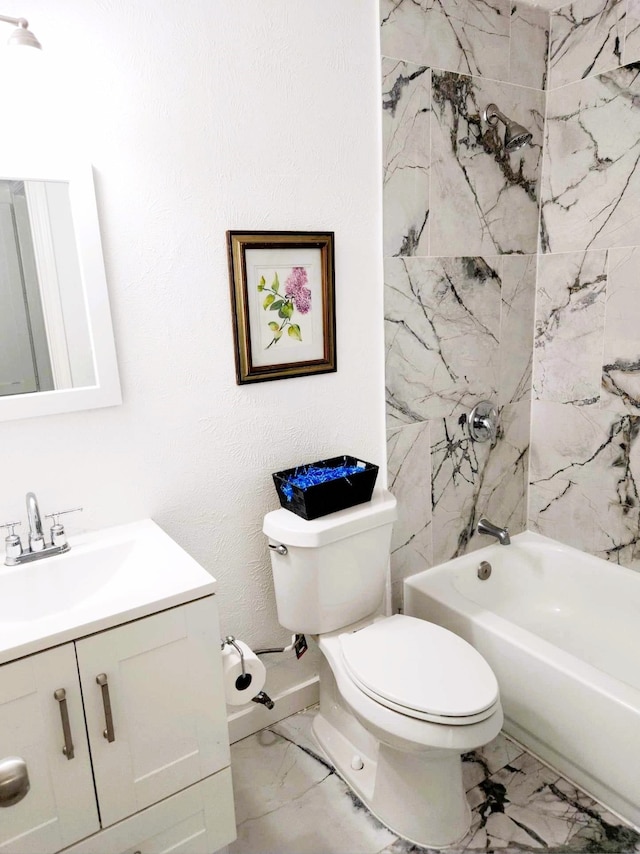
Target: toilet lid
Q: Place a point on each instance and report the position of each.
(420, 668)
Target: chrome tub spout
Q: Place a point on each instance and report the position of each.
(501, 534)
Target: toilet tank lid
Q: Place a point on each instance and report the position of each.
(291, 530)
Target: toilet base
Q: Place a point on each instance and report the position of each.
(420, 799)
(420, 796)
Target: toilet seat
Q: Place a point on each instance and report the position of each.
(421, 670)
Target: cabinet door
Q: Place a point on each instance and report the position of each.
(60, 806)
(164, 688)
(198, 820)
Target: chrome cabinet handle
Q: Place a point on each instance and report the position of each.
(61, 696)
(108, 733)
(14, 780)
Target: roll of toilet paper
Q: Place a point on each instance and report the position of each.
(238, 689)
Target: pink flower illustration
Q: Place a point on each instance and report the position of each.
(296, 296)
(296, 289)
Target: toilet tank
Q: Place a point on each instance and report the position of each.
(335, 567)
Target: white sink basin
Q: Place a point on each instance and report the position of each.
(108, 577)
(36, 590)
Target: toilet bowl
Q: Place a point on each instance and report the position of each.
(401, 699)
(403, 762)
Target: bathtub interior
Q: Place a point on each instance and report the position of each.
(560, 595)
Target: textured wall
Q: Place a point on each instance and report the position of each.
(199, 118)
(460, 242)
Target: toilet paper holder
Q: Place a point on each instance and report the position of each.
(244, 680)
(230, 639)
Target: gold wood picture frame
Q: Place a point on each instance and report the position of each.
(283, 303)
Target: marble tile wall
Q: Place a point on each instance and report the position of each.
(494, 39)
(587, 37)
(483, 199)
(442, 322)
(406, 119)
(570, 314)
(591, 179)
(471, 480)
(585, 455)
(512, 277)
(460, 243)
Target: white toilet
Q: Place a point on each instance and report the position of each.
(400, 698)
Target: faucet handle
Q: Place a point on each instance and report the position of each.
(57, 513)
(58, 536)
(13, 546)
(11, 525)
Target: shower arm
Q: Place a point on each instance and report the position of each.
(492, 114)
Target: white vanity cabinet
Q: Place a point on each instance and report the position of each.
(147, 717)
(60, 806)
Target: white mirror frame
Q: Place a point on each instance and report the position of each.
(106, 391)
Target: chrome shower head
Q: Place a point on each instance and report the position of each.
(515, 135)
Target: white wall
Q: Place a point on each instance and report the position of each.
(201, 117)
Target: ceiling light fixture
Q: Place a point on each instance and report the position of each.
(22, 35)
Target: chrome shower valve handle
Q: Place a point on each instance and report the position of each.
(483, 422)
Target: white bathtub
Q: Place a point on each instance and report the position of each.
(561, 630)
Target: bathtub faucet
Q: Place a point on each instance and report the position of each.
(501, 534)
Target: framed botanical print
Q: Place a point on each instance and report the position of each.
(283, 303)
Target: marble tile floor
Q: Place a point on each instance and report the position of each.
(290, 800)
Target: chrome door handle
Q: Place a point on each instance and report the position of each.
(109, 732)
(14, 780)
(61, 696)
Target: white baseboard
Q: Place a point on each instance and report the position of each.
(253, 718)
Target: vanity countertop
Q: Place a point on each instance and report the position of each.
(109, 577)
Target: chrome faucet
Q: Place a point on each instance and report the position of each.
(36, 537)
(501, 534)
(38, 547)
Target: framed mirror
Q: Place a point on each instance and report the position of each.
(57, 351)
